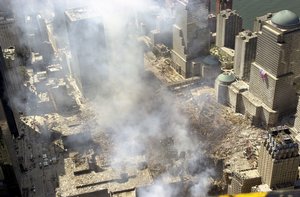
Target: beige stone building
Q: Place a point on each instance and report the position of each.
(210, 68)
(270, 93)
(244, 180)
(190, 36)
(297, 118)
(229, 24)
(221, 85)
(245, 51)
(277, 62)
(261, 188)
(279, 159)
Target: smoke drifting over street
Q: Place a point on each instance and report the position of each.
(130, 104)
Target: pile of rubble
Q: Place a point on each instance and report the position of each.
(162, 69)
(241, 138)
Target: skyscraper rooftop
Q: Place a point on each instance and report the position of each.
(280, 144)
(285, 18)
(81, 13)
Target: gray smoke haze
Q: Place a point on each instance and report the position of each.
(131, 105)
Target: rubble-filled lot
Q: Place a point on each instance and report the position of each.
(51, 148)
(227, 136)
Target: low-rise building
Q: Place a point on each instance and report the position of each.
(244, 180)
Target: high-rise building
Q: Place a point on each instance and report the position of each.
(8, 181)
(279, 159)
(229, 24)
(5, 97)
(212, 23)
(162, 34)
(271, 91)
(14, 74)
(223, 5)
(5, 6)
(8, 32)
(190, 35)
(297, 117)
(277, 62)
(245, 51)
(244, 180)
(88, 48)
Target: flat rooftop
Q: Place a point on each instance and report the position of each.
(9, 53)
(227, 13)
(247, 34)
(282, 135)
(263, 188)
(125, 194)
(81, 13)
(249, 174)
(6, 20)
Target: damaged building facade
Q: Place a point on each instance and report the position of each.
(190, 36)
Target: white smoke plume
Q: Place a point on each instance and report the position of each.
(131, 105)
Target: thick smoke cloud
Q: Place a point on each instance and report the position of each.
(131, 105)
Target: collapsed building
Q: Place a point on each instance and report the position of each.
(88, 170)
(85, 173)
(81, 178)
